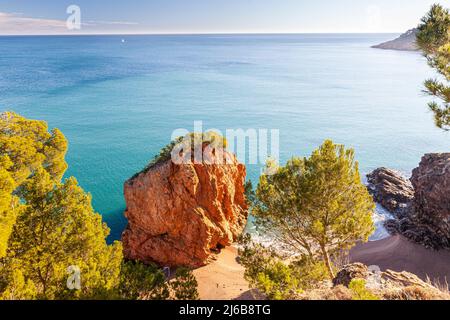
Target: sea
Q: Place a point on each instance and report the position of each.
(119, 98)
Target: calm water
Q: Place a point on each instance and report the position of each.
(118, 102)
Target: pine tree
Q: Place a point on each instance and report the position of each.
(184, 285)
(433, 39)
(47, 225)
(316, 206)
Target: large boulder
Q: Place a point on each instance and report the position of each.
(179, 215)
(391, 190)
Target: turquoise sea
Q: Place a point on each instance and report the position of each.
(118, 98)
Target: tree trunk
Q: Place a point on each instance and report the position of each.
(326, 258)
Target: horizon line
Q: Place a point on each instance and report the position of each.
(189, 34)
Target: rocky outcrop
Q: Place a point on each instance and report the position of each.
(391, 190)
(406, 42)
(350, 272)
(386, 279)
(379, 285)
(429, 220)
(179, 215)
(431, 181)
(389, 285)
(426, 219)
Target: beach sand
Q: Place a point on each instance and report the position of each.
(223, 279)
(398, 254)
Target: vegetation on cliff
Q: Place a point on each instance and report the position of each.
(433, 39)
(192, 142)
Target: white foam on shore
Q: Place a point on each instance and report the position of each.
(380, 216)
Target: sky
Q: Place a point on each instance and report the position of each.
(20, 17)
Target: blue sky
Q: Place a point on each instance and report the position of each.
(213, 16)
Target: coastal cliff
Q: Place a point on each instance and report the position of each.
(179, 215)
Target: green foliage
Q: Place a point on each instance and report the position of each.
(433, 39)
(184, 285)
(148, 282)
(139, 281)
(8, 203)
(25, 147)
(266, 271)
(14, 286)
(250, 195)
(309, 272)
(277, 282)
(57, 229)
(29, 146)
(47, 225)
(191, 142)
(316, 206)
(359, 290)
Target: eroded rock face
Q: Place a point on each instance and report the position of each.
(179, 215)
(391, 190)
(431, 181)
(425, 217)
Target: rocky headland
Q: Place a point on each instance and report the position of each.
(406, 42)
(180, 215)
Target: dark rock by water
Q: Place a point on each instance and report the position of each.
(391, 190)
(423, 217)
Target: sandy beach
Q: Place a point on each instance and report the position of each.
(398, 254)
(223, 279)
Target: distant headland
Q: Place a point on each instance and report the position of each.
(405, 42)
